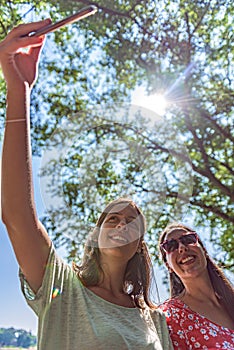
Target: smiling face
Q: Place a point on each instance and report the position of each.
(188, 260)
(120, 231)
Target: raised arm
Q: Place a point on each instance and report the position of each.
(28, 236)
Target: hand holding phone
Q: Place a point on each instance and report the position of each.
(85, 12)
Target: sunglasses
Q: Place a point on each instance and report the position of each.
(172, 244)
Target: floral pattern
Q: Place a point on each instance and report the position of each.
(189, 330)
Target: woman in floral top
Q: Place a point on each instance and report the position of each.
(200, 312)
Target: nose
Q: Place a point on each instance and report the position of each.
(122, 224)
(182, 247)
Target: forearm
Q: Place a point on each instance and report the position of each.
(17, 188)
(28, 236)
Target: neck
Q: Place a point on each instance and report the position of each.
(201, 291)
(113, 276)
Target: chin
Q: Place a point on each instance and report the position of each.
(119, 251)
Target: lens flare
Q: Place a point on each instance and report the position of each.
(156, 103)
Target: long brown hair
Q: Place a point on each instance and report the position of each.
(138, 271)
(221, 285)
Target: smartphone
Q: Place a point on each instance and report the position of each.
(85, 12)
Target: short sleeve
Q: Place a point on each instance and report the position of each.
(52, 284)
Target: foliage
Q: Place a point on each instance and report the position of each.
(178, 167)
(16, 338)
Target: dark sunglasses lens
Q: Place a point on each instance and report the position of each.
(171, 245)
(189, 239)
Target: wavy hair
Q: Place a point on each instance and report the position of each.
(221, 285)
(138, 271)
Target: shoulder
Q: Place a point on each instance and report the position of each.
(56, 265)
(173, 309)
(170, 304)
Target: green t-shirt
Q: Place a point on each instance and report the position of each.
(71, 317)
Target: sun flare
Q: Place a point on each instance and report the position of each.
(156, 103)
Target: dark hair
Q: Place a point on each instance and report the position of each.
(138, 271)
(221, 285)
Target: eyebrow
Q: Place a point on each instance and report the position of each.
(182, 234)
(119, 213)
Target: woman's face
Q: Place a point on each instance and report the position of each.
(188, 260)
(120, 231)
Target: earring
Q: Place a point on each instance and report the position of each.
(169, 268)
(139, 250)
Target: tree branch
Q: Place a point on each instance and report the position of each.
(206, 172)
(221, 130)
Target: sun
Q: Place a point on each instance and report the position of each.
(156, 103)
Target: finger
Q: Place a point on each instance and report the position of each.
(18, 37)
(16, 44)
(26, 28)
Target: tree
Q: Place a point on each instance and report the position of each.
(25, 339)
(16, 337)
(7, 336)
(183, 49)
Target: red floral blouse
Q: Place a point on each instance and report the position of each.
(189, 330)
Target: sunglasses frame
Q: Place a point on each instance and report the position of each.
(179, 240)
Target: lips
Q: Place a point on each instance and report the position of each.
(119, 238)
(187, 260)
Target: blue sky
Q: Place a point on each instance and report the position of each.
(14, 310)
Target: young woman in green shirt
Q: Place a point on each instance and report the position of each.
(103, 304)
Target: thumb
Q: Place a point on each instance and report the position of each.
(35, 51)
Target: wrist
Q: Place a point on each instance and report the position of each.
(18, 101)
(18, 91)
